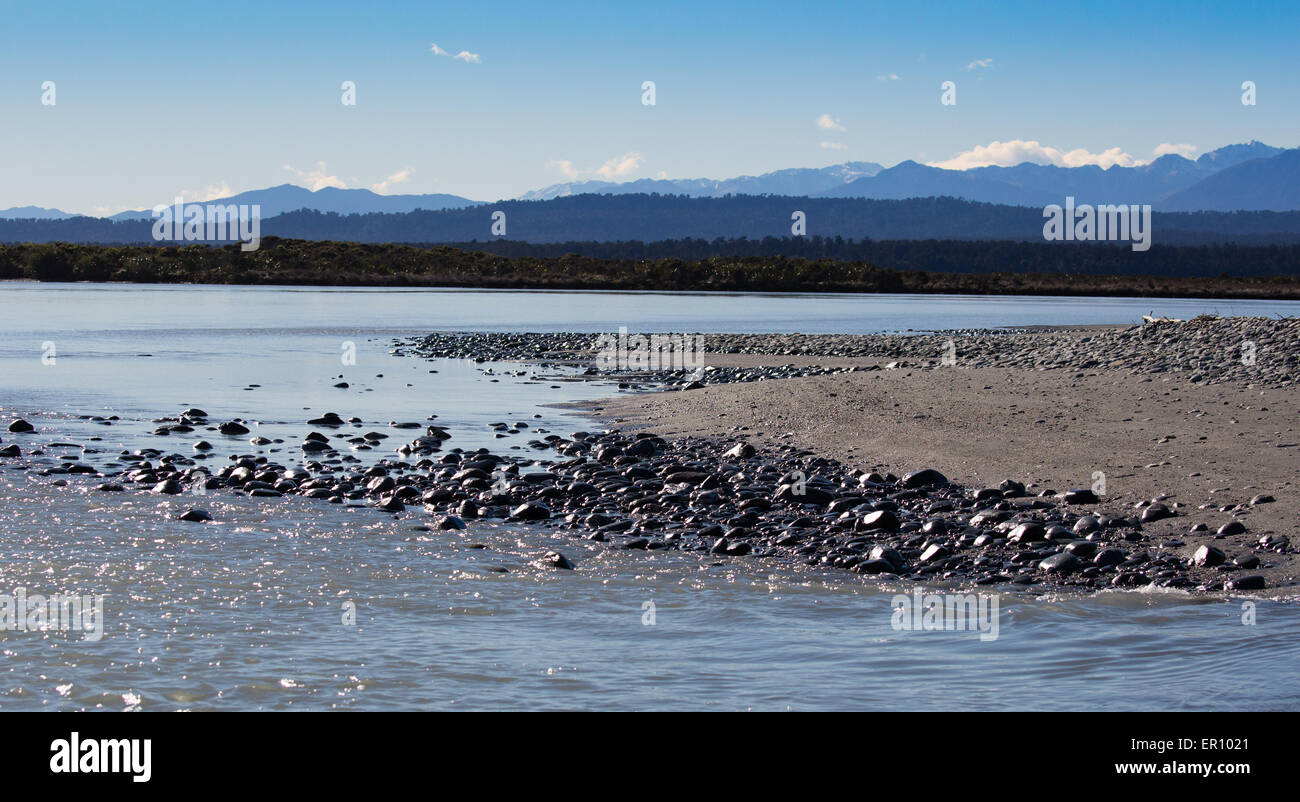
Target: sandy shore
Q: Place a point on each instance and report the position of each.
(1205, 449)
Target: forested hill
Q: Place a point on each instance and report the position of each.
(1027, 268)
(652, 218)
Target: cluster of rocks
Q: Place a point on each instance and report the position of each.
(712, 374)
(638, 491)
(1206, 349)
(579, 349)
(642, 492)
(501, 346)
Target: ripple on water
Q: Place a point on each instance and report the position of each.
(247, 612)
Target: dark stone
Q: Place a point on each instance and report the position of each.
(328, 419)
(1064, 563)
(1083, 549)
(1109, 557)
(1252, 582)
(196, 515)
(937, 526)
(878, 520)
(1231, 528)
(889, 555)
(554, 559)
(926, 477)
(644, 447)
(1208, 556)
(876, 566)
(1028, 532)
(934, 552)
(1080, 496)
(803, 495)
(1155, 512)
(531, 511)
(740, 451)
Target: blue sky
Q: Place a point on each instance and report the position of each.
(157, 99)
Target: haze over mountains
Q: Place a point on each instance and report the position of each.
(33, 213)
(807, 182)
(290, 198)
(1248, 177)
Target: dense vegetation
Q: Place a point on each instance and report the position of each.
(653, 218)
(344, 263)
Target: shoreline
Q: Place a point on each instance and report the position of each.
(873, 456)
(1264, 294)
(1171, 515)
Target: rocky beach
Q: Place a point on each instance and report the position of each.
(1161, 455)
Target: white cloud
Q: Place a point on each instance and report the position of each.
(1165, 148)
(830, 123)
(979, 62)
(398, 177)
(318, 178)
(1016, 151)
(832, 146)
(620, 166)
(890, 77)
(213, 192)
(565, 166)
(464, 55)
(617, 167)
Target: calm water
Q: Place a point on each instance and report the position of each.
(247, 612)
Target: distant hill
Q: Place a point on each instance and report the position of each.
(613, 218)
(1158, 183)
(1268, 183)
(33, 213)
(794, 181)
(1230, 155)
(289, 198)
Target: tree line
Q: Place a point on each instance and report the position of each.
(1272, 270)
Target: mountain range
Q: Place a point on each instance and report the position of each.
(290, 198)
(807, 182)
(1247, 177)
(1257, 176)
(661, 218)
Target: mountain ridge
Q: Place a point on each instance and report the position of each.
(1168, 183)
